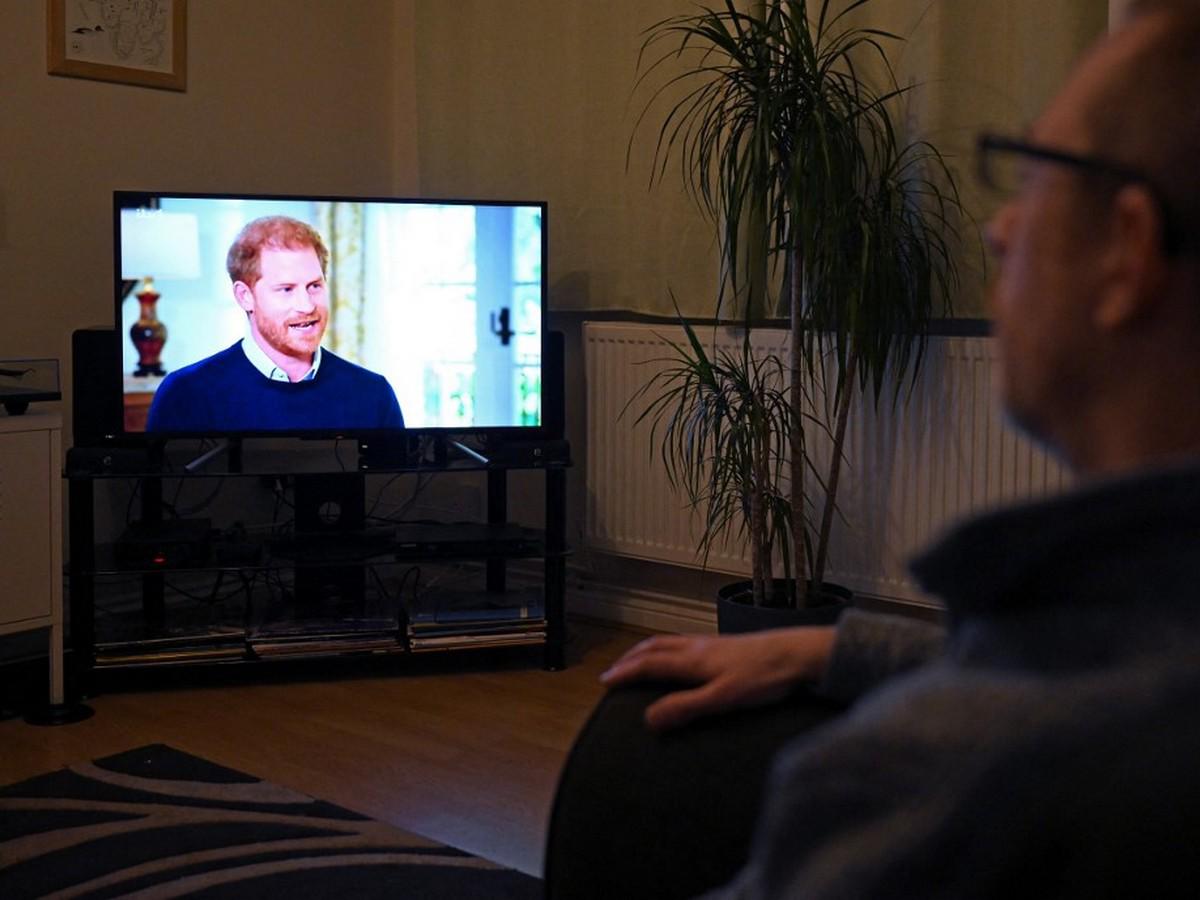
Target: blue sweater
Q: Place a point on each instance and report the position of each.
(1049, 751)
(226, 393)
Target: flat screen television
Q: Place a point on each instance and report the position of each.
(328, 317)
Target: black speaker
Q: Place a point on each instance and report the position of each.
(330, 512)
(96, 402)
(330, 503)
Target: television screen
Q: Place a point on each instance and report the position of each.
(328, 316)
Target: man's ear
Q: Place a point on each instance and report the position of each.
(1134, 263)
(244, 296)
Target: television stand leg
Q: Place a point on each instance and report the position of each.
(556, 570)
(153, 603)
(497, 514)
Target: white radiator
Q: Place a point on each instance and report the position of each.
(910, 470)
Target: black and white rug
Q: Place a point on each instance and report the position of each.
(156, 822)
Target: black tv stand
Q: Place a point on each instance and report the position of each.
(388, 452)
(331, 567)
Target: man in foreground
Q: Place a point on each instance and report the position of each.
(1047, 743)
(278, 377)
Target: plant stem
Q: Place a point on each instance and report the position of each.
(761, 557)
(846, 388)
(796, 462)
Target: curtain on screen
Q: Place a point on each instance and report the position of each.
(343, 225)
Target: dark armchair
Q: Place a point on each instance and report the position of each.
(663, 816)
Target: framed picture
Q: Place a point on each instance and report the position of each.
(128, 41)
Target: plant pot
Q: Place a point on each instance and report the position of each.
(736, 613)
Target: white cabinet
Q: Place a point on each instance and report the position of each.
(31, 532)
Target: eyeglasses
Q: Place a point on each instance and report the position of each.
(1002, 165)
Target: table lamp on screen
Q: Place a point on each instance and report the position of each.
(162, 245)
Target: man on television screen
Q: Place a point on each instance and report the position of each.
(279, 377)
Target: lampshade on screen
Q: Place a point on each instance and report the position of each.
(164, 245)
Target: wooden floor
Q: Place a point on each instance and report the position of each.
(464, 749)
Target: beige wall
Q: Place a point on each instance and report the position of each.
(283, 96)
(989, 65)
(533, 98)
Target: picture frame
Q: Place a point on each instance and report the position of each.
(139, 42)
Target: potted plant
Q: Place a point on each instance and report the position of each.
(726, 421)
(824, 213)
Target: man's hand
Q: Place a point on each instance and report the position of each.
(729, 672)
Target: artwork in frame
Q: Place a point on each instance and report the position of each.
(141, 42)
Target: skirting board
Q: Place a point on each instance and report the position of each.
(590, 597)
(640, 609)
(655, 611)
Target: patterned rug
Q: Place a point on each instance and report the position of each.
(156, 822)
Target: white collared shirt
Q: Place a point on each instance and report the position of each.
(263, 363)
